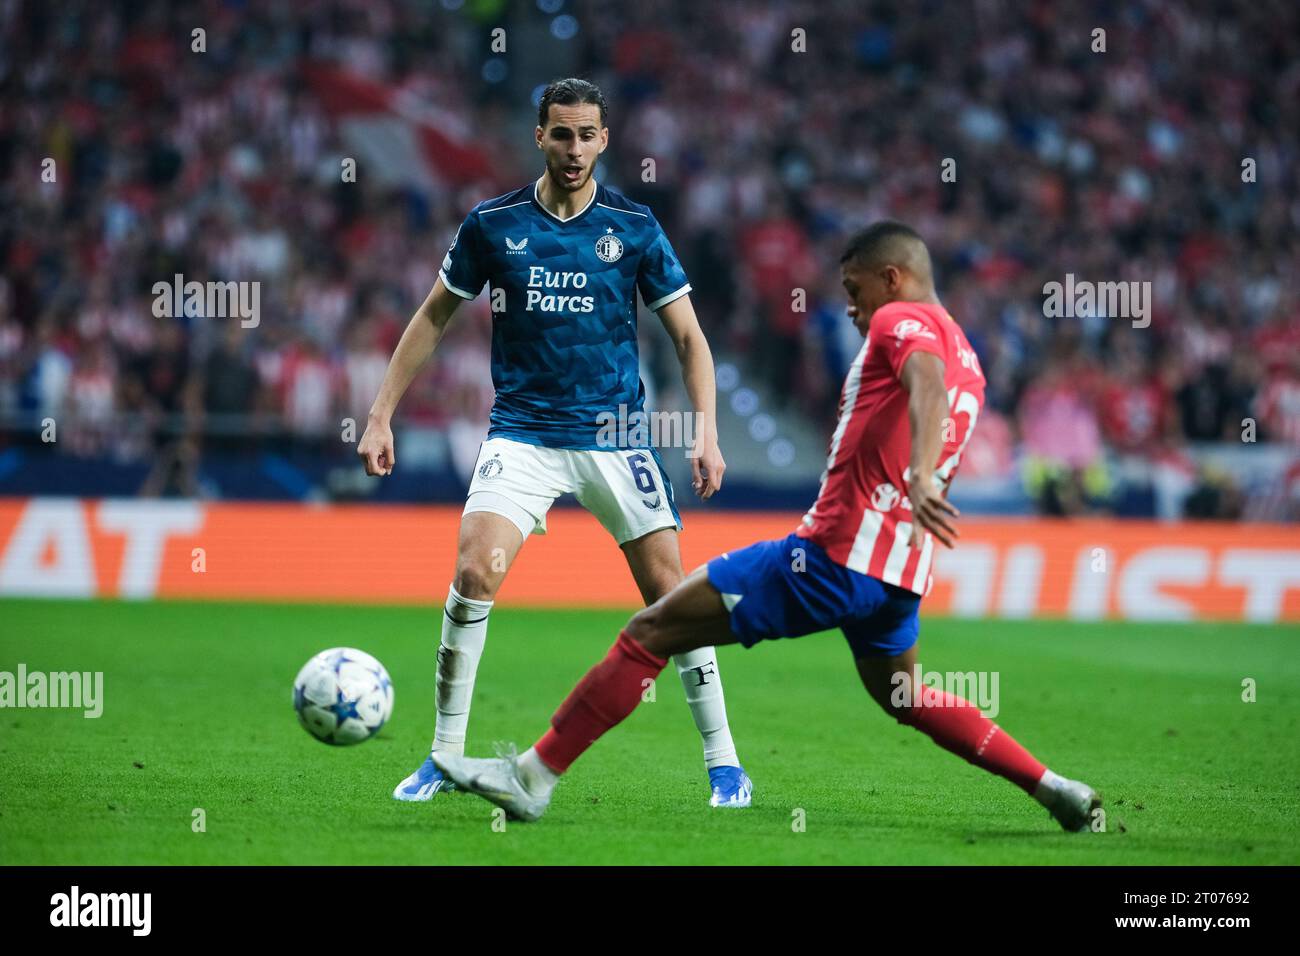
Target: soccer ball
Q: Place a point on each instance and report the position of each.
(343, 696)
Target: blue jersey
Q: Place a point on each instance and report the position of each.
(563, 298)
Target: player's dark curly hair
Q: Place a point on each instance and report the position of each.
(879, 240)
(570, 92)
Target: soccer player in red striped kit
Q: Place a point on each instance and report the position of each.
(860, 560)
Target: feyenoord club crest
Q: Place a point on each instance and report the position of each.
(609, 248)
(491, 468)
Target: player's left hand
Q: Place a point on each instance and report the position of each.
(707, 467)
(931, 511)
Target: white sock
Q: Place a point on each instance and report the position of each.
(464, 629)
(1048, 785)
(698, 670)
(538, 779)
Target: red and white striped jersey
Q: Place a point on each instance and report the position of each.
(862, 516)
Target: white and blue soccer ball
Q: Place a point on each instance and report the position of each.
(343, 696)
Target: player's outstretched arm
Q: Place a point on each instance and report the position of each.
(693, 352)
(927, 407)
(418, 342)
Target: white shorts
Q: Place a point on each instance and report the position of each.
(626, 490)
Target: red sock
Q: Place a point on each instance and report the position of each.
(610, 691)
(957, 725)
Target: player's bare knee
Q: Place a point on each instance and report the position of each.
(892, 691)
(642, 625)
(646, 629)
(476, 581)
(905, 714)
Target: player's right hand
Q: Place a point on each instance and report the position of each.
(376, 449)
(931, 511)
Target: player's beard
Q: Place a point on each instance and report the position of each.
(556, 173)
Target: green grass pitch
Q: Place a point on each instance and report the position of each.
(197, 715)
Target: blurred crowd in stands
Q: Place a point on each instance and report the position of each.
(1169, 157)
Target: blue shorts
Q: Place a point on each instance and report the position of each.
(789, 588)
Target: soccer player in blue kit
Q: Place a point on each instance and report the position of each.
(564, 258)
